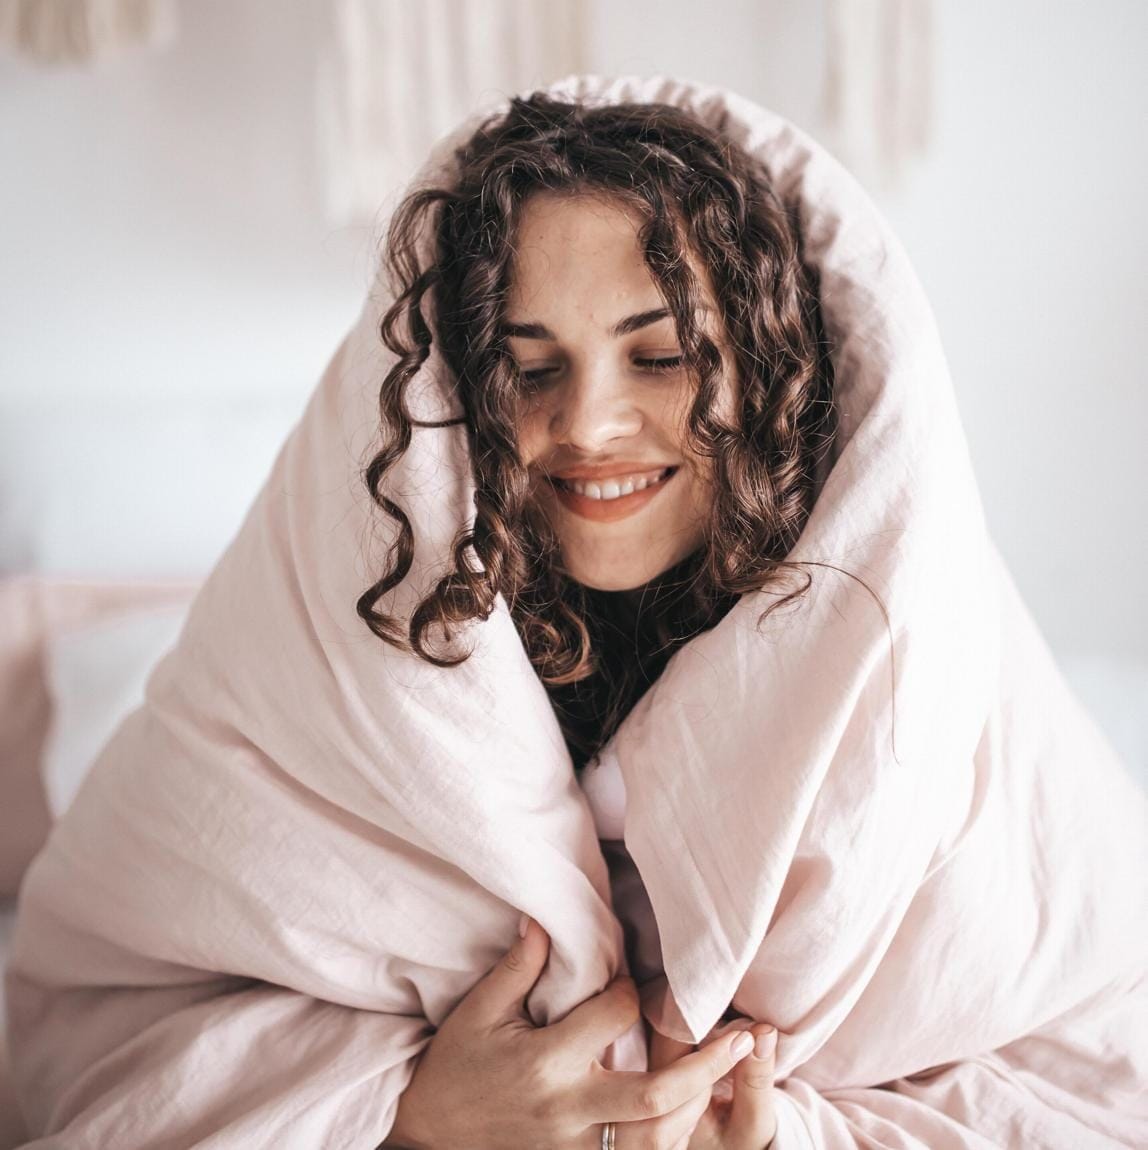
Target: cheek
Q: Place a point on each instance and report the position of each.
(724, 411)
(673, 418)
(675, 424)
(530, 434)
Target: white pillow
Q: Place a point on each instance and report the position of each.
(96, 677)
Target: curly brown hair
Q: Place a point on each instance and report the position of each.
(698, 194)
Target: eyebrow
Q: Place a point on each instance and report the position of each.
(623, 327)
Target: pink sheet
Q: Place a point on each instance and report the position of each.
(906, 846)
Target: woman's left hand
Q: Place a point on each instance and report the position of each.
(745, 1122)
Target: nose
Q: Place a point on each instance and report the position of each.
(594, 407)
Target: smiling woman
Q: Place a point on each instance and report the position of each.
(648, 392)
(651, 365)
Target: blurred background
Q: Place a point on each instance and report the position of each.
(192, 195)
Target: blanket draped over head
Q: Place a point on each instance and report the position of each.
(897, 837)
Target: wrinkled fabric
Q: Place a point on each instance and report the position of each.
(885, 827)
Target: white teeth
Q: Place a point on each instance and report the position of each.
(616, 488)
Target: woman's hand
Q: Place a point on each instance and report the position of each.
(490, 1078)
(744, 1122)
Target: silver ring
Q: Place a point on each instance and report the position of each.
(608, 1135)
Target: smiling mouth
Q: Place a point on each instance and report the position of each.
(606, 500)
(616, 487)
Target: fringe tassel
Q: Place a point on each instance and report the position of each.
(878, 86)
(401, 74)
(79, 31)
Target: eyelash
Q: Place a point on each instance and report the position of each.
(667, 364)
(655, 366)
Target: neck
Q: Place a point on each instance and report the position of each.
(671, 585)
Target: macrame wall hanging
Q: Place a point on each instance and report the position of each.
(83, 31)
(399, 74)
(878, 86)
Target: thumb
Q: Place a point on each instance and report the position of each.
(501, 994)
(751, 1120)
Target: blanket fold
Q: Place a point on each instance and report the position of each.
(878, 819)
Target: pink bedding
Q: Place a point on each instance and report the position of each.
(899, 840)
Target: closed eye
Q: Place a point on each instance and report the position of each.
(537, 375)
(668, 363)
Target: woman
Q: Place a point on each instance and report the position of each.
(608, 287)
(676, 495)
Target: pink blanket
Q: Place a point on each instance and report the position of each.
(900, 840)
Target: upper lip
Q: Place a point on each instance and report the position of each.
(609, 470)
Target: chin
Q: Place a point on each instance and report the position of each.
(611, 581)
(611, 574)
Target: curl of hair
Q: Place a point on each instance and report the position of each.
(699, 196)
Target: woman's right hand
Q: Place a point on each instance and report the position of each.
(490, 1078)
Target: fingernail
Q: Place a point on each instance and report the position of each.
(741, 1045)
(522, 924)
(766, 1044)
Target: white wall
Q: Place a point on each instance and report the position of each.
(1028, 227)
(160, 230)
(161, 240)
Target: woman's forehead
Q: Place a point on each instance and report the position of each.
(579, 250)
(549, 222)
(585, 250)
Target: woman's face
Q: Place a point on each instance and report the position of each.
(602, 425)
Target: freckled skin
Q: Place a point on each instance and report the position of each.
(579, 271)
